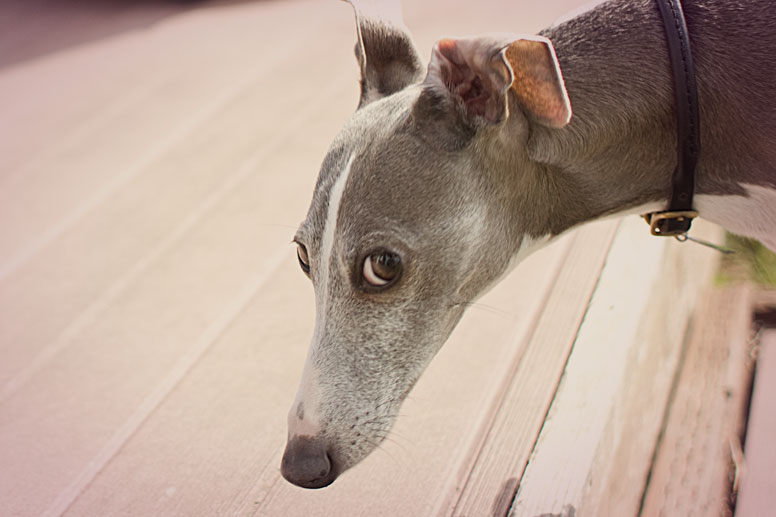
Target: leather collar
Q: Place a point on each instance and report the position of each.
(676, 220)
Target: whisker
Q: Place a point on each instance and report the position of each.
(401, 442)
(379, 447)
(483, 307)
(491, 309)
(385, 402)
(395, 440)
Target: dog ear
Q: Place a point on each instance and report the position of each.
(478, 73)
(385, 52)
(538, 81)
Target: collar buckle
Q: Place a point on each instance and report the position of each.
(670, 223)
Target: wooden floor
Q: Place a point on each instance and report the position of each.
(757, 495)
(155, 159)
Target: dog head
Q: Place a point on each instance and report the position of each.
(413, 216)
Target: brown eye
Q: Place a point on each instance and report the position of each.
(304, 260)
(381, 269)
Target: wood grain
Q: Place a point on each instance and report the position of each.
(692, 465)
(497, 463)
(596, 447)
(757, 495)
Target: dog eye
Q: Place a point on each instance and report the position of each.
(382, 268)
(304, 260)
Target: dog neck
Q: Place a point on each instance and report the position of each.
(618, 152)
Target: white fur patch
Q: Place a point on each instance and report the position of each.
(304, 418)
(753, 215)
(327, 242)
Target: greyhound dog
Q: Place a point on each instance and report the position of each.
(448, 175)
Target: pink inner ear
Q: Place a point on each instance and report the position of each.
(460, 79)
(455, 73)
(467, 71)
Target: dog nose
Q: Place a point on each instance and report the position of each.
(307, 463)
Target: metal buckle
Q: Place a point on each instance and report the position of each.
(670, 224)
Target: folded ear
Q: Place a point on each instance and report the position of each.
(538, 81)
(385, 52)
(477, 73)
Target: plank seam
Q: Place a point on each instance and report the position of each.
(542, 322)
(484, 430)
(90, 125)
(163, 389)
(672, 394)
(563, 374)
(130, 172)
(48, 352)
(121, 179)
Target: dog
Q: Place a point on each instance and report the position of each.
(446, 176)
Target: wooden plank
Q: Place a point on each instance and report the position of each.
(594, 452)
(215, 435)
(497, 459)
(40, 121)
(168, 267)
(692, 466)
(139, 341)
(130, 139)
(757, 495)
(165, 198)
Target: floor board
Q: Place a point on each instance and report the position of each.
(757, 495)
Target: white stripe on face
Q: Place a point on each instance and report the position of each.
(327, 242)
(307, 422)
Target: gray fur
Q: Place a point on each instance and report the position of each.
(456, 198)
(622, 135)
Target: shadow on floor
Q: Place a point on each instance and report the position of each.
(32, 28)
